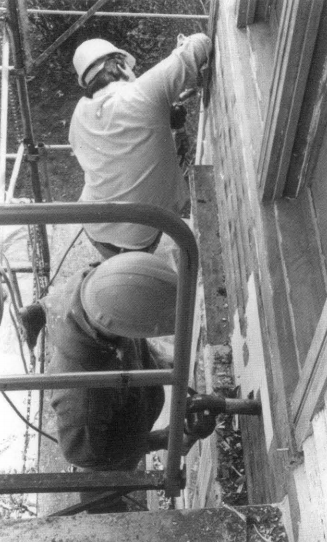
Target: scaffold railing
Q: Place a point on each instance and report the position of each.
(15, 36)
(175, 227)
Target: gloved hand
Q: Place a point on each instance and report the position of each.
(199, 424)
(178, 115)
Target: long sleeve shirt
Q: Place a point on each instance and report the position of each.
(123, 142)
(98, 428)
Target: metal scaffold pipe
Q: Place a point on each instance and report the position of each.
(17, 44)
(4, 111)
(194, 16)
(100, 379)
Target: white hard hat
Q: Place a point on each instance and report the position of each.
(131, 295)
(91, 51)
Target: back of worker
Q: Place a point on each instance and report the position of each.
(123, 141)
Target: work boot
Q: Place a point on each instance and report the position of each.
(33, 320)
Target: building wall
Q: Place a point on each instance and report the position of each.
(275, 269)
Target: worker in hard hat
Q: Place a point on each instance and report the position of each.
(121, 134)
(99, 322)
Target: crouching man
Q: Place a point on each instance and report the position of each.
(100, 322)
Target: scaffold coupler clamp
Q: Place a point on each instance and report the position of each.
(202, 409)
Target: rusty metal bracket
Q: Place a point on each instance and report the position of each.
(218, 404)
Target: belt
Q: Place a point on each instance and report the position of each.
(121, 250)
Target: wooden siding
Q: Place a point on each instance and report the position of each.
(281, 243)
(292, 62)
(302, 271)
(260, 478)
(279, 246)
(312, 382)
(318, 194)
(313, 118)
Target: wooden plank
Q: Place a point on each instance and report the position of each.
(313, 118)
(259, 475)
(205, 212)
(297, 34)
(206, 473)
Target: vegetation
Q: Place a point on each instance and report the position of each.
(148, 39)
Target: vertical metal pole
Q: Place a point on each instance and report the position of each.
(32, 151)
(18, 54)
(4, 112)
(187, 276)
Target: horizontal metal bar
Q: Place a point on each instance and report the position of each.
(13, 156)
(80, 481)
(76, 213)
(18, 269)
(58, 147)
(115, 14)
(101, 379)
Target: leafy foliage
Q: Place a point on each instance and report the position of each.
(148, 39)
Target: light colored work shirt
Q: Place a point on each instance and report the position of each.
(123, 142)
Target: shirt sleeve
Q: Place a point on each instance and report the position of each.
(180, 70)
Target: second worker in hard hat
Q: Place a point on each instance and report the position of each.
(100, 322)
(121, 134)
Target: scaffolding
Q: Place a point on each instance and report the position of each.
(15, 36)
(43, 212)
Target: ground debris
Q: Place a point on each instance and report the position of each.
(231, 471)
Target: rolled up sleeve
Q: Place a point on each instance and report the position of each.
(178, 71)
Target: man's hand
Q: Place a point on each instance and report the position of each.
(200, 424)
(178, 113)
(180, 39)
